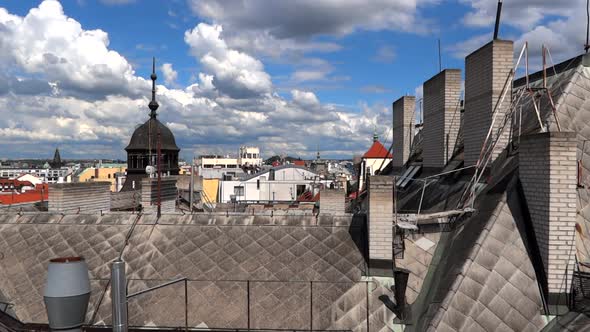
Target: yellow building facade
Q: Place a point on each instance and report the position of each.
(92, 174)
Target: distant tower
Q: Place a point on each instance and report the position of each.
(56, 163)
(318, 153)
(142, 148)
(375, 136)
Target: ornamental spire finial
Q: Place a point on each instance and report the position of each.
(153, 105)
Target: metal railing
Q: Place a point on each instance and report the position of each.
(252, 301)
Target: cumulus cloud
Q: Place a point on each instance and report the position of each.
(63, 85)
(235, 74)
(294, 25)
(557, 25)
(170, 75)
(49, 43)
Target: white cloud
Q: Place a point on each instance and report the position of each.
(384, 54)
(294, 25)
(95, 99)
(47, 42)
(375, 89)
(234, 73)
(170, 75)
(305, 98)
(557, 24)
(523, 14)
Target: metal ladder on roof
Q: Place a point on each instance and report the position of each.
(493, 137)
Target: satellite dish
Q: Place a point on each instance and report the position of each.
(150, 170)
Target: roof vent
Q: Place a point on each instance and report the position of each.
(67, 292)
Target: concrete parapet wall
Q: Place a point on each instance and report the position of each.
(380, 217)
(486, 71)
(548, 172)
(79, 197)
(403, 129)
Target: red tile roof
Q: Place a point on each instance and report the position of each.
(299, 162)
(377, 150)
(27, 197)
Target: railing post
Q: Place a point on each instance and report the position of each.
(367, 302)
(248, 301)
(186, 304)
(311, 305)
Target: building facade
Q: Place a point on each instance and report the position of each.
(282, 183)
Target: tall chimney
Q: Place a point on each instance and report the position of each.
(548, 173)
(403, 129)
(380, 218)
(486, 71)
(442, 117)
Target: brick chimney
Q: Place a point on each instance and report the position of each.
(486, 71)
(380, 218)
(403, 129)
(547, 171)
(442, 117)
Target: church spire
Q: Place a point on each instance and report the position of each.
(153, 105)
(375, 136)
(318, 153)
(56, 162)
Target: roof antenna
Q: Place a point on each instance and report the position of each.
(498, 13)
(153, 105)
(587, 46)
(439, 58)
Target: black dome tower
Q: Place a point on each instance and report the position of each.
(142, 148)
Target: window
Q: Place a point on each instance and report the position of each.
(249, 155)
(109, 176)
(231, 166)
(300, 189)
(239, 190)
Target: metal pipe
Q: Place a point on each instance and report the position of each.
(498, 14)
(544, 67)
(159, 174)
(192, 185)
(422, 197)
(448, 172)
(439, 58)
(119, 296)
(587, 46)
(130, 296)
(186, 304)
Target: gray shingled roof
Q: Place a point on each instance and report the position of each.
(296, 271)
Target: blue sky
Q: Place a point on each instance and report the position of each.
(286, 76)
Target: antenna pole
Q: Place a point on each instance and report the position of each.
(544, 67)
(587, 46)
(498, 14)
(159, 173)
(439, 58)
(192, 184)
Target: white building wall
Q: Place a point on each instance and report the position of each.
(282, 188)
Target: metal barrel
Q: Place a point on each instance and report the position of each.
(67, 292)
